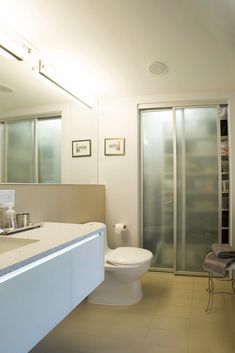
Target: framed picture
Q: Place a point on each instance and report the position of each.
(114, 147)
(81, 148)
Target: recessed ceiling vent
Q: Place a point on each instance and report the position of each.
(4, 89)
(158, 68)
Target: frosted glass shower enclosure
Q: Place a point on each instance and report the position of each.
(180, 199)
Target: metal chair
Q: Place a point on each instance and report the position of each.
(211, 286)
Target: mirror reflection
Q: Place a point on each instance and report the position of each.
(37, 127)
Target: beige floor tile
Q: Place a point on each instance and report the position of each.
(213, 327)
(204, 343)
(155, 348)
(170, 318)
(179, 292)
(170, 323)
(222, 302)
(45, 348)
(200, 293)
(171, 338)
(182, 284)
(65, 341)
(111, 345)
(173, 310)
(176, 301)
(143, 307)
(200, 283)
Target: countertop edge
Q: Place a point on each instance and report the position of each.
(11, 268)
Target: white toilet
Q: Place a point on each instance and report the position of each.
(123, 268)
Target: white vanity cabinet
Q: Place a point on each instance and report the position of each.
(35, 298)
(87, 269)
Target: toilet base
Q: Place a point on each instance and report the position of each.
(116, 293)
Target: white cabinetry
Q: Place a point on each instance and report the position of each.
(87, 269)
(37, 299)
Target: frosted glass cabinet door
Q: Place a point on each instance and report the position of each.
(157, 159)
(197, 186)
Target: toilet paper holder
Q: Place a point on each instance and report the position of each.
(119, 227)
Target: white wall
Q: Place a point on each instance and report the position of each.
(78, 123)
(120, 174)
(118, 118)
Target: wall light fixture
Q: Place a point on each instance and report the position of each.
(11, 45)
(49, 73)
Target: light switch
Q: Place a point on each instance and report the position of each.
(7, 196)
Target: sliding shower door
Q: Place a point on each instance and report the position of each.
(158, 210)
(197, 185)
(179, 186)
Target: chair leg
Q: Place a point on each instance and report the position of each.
(210, 291)
(233, 285)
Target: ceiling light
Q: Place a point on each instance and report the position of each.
(158, 68)
(11, 45)
(49, 73)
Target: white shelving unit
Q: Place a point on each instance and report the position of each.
(224, 175)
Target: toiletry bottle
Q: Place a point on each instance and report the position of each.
(10, 216)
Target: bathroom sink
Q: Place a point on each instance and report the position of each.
(7, 244)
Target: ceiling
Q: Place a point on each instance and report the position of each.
(108, 45)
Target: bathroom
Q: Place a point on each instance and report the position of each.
(116, 117)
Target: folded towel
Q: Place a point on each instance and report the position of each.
(212, 263)
(223, 250)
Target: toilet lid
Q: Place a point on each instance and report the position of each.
(128, 256)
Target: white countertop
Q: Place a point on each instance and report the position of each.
(52, 237)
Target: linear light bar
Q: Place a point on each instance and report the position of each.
(12, 46)
(47, 72)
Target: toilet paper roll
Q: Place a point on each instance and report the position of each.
(120, 227)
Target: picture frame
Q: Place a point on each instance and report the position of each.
(81, 148)
(114, 147)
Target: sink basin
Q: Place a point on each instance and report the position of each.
(7, 244)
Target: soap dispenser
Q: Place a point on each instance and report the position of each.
(10, 216)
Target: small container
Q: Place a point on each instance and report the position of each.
(3, 209)
(23, 219)
(10, 217)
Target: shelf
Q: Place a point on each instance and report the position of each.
(194, 155)
(205, 175)
(224, 195)
(201, 210)
(200, 193)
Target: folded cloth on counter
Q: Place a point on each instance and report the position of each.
(212, 263)
(223, 250)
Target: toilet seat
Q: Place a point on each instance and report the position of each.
(128, 256)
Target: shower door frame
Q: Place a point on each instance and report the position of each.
(174, 106)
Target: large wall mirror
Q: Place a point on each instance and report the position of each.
(37, 127)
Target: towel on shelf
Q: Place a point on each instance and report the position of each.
(213, 263)
(223, 250)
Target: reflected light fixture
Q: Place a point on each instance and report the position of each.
(49, 73)
(11, 45)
